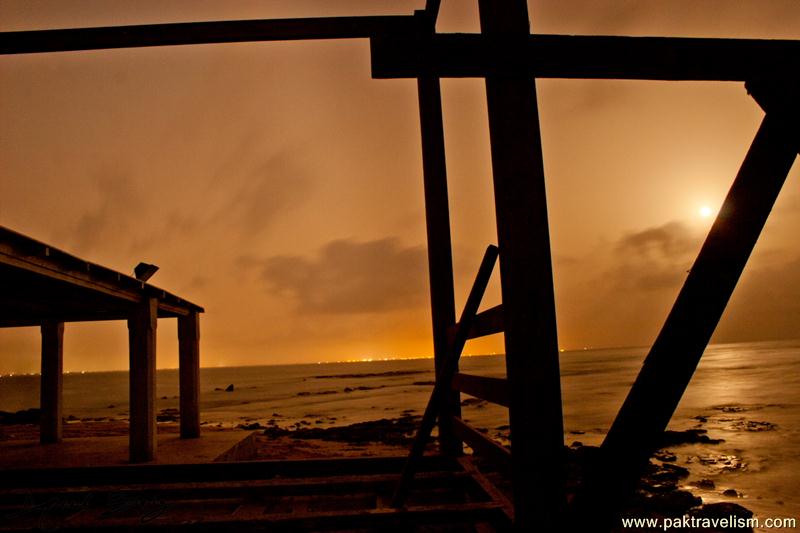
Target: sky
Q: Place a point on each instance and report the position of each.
(280, 187)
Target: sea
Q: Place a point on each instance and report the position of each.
(747, 394)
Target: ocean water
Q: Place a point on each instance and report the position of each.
(747, 394)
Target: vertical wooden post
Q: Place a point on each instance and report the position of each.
(674, 356)
(189, 363)
(51, 382)
(537, 438)
(142, 346)
(440, 259)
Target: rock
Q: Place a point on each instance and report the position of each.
(251, 426)
(690, 436)
(707, 484)
(665, 456)
(673, 503)
(229, 388)
(112, 406)
(721, 511)
(473, 401)
(730, 493)
(25, 416)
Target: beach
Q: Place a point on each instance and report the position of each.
(731, 441)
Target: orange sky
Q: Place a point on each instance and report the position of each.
(280, 187)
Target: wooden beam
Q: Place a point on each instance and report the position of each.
(582, 57)
(51, 397)
(677, 350)
(142, 342)
(229, 31)
(189, 374)
(444, 378)
(493, 390)
(217, 472)
(527, 283)
(440, 258)
(482, 444)
(487, 322)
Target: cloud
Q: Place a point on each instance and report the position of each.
(268, 189)
(655, 258)
(111, 216)
(621, 294)
(351, 277)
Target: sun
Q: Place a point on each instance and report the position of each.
(706, 211)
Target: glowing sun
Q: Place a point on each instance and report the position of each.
(706, 211)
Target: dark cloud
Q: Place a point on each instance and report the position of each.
(655, 258)
(665, 241)
(267, 190)
(352, 277)
(111, 216)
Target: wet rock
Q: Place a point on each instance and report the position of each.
(707, 484)
(665, 456)
(397, 431)
(251, 426)
(690, 436)
(473, 401)
(170, 414)
(730, 493)
(352, 389)
(754, 425)
(721, 511)
(25, 416)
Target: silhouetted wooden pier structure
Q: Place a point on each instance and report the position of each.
(43, 286)
(510, 59)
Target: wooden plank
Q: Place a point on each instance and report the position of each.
(210, 472)
(444, 378)
(463, 513)
(493, 390)
(52, 378)
(230, 31)
(142, 343)
(482, 444)
(583, 57)
(189, 374)
(440, 259)
(526, 277)
(674, 356)
(487, 322)
(491, 490)
(334, 484)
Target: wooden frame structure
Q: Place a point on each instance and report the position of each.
(43, 286)
(510, 58)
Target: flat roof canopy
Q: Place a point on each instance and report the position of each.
(40, 283)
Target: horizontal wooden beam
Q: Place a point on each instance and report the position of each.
(30, 478)
(482, 444)
(34, 262)
(487, 322)
(230, 31)
(583, 57)
(493, 390)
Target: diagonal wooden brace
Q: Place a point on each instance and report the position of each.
(674, 356)
(444, 378)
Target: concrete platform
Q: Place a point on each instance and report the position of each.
(108, 451)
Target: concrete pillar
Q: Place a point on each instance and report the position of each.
(189, 363)
(142, 343)
(50, 402)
